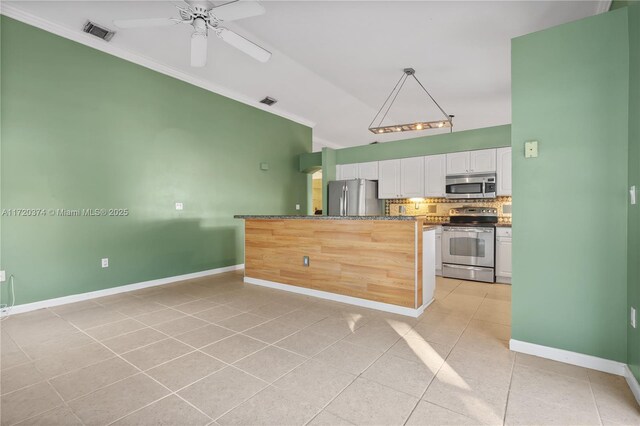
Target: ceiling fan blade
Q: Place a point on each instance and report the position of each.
(144, 23)
(238, 9)
(244, 45)
(198, 49)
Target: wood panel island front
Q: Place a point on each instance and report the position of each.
(380, 262)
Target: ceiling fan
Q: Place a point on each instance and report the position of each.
(205, 18)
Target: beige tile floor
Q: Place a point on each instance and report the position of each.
(217, 351)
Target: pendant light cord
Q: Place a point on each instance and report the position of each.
(434, 101)
(394, 99)
(404, 77)
(397, 91)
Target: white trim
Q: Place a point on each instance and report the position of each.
(386, 307)
(632, 382)
(103, 46)
(27, 307)
(603, 6)
(574, 358)
(416, 260)
(326, 143)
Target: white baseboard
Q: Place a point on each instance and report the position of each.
(568, 357)
(632, 382)
(27, 307)
(386, 307)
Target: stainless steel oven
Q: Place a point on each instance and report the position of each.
(468, 244)
(471, 186)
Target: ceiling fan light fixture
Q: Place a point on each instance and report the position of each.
(421, 125)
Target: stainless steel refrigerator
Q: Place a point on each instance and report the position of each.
(354, 197)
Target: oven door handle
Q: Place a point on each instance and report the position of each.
(466, 268)
(474, 230)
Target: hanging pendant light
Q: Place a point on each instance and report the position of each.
(419, 125)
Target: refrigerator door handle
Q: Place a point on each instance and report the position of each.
(341, 212)
(346, 200)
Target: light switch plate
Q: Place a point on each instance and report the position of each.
(531, 149)
(633, 317)
(179, 206)
(297, 206)
(633, 193)
(3, 276)
(105, 262)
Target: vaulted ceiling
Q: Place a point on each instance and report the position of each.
(334, 62)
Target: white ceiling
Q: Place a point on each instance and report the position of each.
(334, 62)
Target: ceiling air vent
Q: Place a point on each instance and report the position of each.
(268, 101)
(98, 31)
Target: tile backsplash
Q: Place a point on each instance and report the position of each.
(437, 209)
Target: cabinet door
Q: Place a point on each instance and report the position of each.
(434, 175)
(504, 171)
(457, 163)
(346, 171)
(503, 257)
(368, 170)
(439, 253)
(389, 179)
(483, 161)
(412, 177)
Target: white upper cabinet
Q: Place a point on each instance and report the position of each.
(457, 163)
(346, 171)
(434, 175)
(503, 177)
(412, 177)
(483, 161)
(368, 170)
(389, 179)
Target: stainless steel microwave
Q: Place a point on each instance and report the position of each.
(471, 186)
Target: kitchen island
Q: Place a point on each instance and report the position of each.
(380, 262)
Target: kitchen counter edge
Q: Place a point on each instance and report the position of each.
(276, 217)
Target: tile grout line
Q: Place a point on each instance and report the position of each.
(506, 405)
(168, 336)
(444, 362)
(359, 375)
(595, 400)
(139, 371)
(267, 344)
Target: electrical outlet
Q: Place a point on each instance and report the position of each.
(105, 262)
(633, 317)
(3, 276)
(531, 149)
(179, 206)
(297, 206)
(305, 260)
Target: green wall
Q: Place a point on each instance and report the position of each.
(83, 129)
(328, 174)
(488, 137)
(633, 254)
(570, 92)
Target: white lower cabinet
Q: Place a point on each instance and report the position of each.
(439, 250)
(503, 255)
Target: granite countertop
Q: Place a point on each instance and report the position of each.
(266, 217)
